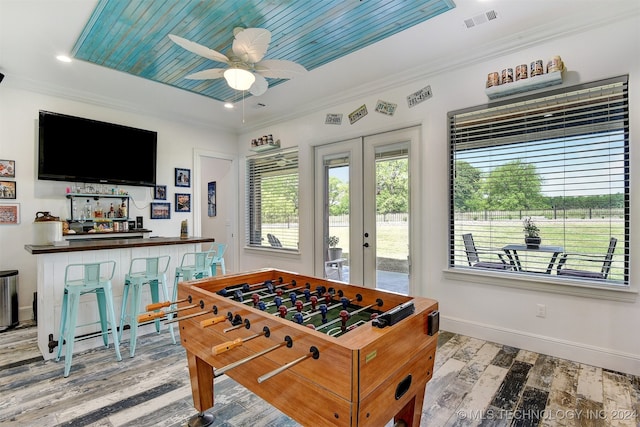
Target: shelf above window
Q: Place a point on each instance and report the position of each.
(524, 85)
(266, 147)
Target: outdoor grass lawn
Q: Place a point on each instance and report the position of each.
(588, 236)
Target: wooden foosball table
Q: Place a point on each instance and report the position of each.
(323, 352)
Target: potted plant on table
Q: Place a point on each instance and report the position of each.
(334, 252)
(531, 234)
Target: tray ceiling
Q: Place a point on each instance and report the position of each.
(132, 36)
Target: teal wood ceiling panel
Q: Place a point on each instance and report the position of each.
(132, 36)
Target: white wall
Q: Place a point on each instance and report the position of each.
(590, 330)
(18, 141)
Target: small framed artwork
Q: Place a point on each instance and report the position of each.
(160, 210)
(7, 168)
(7, 190)
(211, 198)
(183, 202)
(183, 177)
(9, 213)
(160, 192)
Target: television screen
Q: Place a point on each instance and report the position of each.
(82, 150)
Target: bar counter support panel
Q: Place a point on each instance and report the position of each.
(51, 262)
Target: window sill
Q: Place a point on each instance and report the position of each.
(270, 250)
(538, 283)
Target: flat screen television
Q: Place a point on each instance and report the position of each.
(77, 149)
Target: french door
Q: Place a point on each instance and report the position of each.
(364, 199)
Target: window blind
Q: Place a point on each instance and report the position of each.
(272, 200)
(560, 158)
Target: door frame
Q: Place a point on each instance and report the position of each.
(196, 179)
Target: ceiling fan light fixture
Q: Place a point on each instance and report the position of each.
(239, 79)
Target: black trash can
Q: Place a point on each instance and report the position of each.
(8, 299)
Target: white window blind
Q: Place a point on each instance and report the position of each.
(272, 200)
(561, 159)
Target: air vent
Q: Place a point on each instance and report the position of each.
(481, 18)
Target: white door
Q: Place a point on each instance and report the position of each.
(365, 198)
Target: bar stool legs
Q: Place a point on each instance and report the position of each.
(155, 276)
(91, 281)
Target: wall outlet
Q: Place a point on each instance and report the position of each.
(541, 310)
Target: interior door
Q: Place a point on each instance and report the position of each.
(364, 197)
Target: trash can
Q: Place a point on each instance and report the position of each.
(8, 299)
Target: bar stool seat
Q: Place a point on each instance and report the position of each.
(194, 265)
(151, 271)
(218, 250)
(81, 279)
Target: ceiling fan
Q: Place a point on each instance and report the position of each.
(246, 69)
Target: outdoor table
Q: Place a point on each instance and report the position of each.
(512, 253)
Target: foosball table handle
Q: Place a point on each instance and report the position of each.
(212, 321)
(221, 348)
(145, 317)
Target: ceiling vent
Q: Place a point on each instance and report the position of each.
(481, 18)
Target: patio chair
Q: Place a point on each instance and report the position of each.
(274, 241)
(473, 255)
(605, 261)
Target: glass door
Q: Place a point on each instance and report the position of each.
(386, 219)
(364, 202)
(338, 231)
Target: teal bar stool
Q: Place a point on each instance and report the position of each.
(150, 271)
(194, 265)
(81, 279)
(218, 258)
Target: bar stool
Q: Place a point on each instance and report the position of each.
(80, 279)
(151, 271)
(218, 258)
(194, 265)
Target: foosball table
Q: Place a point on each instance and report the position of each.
(323, 352)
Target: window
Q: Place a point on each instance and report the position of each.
(272, 200)
(560, 160)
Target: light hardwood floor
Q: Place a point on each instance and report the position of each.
(475, 383)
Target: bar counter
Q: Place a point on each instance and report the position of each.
(100, 244)
(51, 262)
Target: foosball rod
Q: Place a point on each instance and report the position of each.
(313, 352)
(246, 285)
(276, 287)
(329, 308)
(288, 341)
(213, 310)
(145, 317)
(221, 348)
(379, 303)
(159, 305)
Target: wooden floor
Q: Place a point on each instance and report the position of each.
(475, 383)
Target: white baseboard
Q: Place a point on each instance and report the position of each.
(577, 352)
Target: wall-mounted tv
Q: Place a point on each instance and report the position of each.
(77, 149)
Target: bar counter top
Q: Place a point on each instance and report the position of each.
(98, 244)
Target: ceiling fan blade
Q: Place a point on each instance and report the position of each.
(212, 73)
(279, 69)
(251, 44)
(198, 49)
(260, 86)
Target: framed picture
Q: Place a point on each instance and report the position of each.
(211, 198)
(160, 210)
(160, 192)
(7, 190)
(7, 168)
(9, 213)
(183, 177)
(183, 202)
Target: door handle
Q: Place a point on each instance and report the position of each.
(366, 245)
